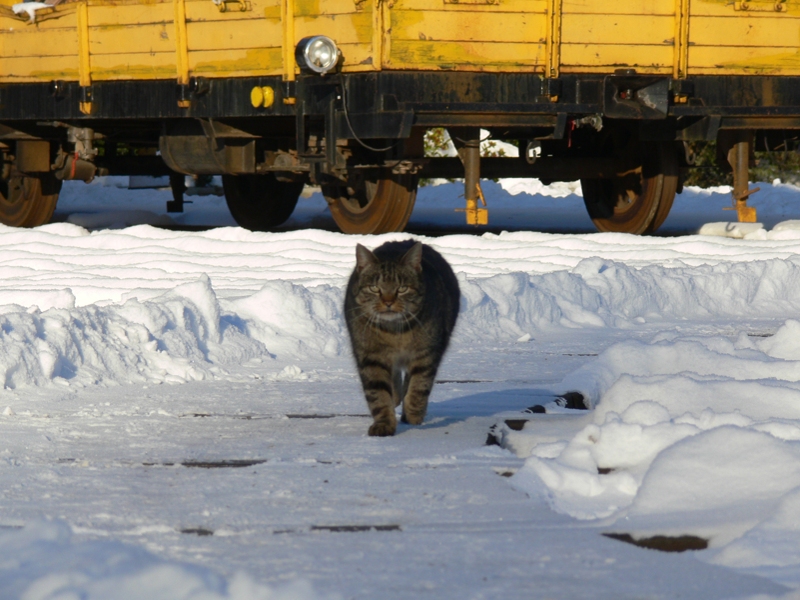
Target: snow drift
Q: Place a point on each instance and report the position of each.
(42, 561)
(688, 436)
(189, 333)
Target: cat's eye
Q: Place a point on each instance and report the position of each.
(402, 289)
(374, 289)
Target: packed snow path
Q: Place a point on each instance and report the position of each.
(180, 418)
(426, 514)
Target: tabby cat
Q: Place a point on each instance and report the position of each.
(400, 308)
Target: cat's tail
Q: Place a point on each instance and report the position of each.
(399, 382)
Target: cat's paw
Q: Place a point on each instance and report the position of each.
(382, 429)
(413, 419)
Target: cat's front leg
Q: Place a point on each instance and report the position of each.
(420, 384)
(377, 384)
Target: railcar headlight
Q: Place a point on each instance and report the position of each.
(317, 53)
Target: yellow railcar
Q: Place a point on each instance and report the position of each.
(273, 94)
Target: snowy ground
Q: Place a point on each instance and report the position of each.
(180, 416)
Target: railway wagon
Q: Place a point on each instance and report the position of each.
(275, 94)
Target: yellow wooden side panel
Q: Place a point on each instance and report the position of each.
(509, 35)
(135, 39)
(760, 40)
(23, 42)
(152, 38)
(131, 40)
(599, 37)
(24, 55)
(234, 42)
(245, 35)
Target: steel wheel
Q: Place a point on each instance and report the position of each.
(28, 201)
(260, 202)
(637, 201)
(372, 204)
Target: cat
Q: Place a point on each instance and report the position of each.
(400, 308)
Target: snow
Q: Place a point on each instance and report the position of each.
(700, 436)
(45, 553)
(180, 416)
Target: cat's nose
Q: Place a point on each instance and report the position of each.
(388, 301)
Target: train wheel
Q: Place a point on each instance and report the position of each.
(28, 201)
(639, 200)
(372, 205)
(260, 202)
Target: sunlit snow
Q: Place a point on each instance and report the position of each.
(686, 347)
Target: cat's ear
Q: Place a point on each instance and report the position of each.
(413, 258)
(364, 258)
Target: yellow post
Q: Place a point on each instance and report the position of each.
(470, 155)
(475, 215)
(377, 35)
(681, 60)
(553, 45)
(181, 47)
(287, 18)
(84, 64)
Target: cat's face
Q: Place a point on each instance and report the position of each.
(389, 291)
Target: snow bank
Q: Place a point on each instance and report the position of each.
(143, 304)
(43, 561)
(604, 293)
(294, 320)
(689, 436)
(180, 336)
(189, 333)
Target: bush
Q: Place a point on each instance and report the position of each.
(778, 164)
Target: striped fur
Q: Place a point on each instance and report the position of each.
(400, 308)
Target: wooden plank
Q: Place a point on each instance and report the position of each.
(27, 69)
(609, 69)
(474, 56)
(440, 26)
(205, 10)
(618, 7)
(354, 27)
(264, 61)
(645, 59)
(503, 6)
(130, 14)
(617, 29)
(26, 42)
(254, 61)
(130, 65)
(256, 33)
(743, 60)
(109, 39)
(312, 8)
(124, 3)
(357, 57)
(745, 30)
(724, 8)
